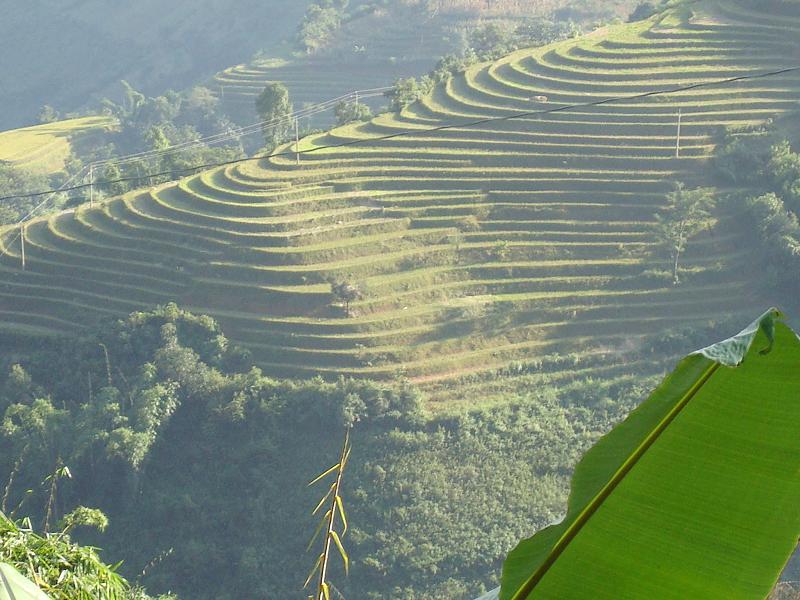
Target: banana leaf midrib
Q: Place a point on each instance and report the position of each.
(585, 515)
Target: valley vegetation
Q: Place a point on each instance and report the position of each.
(201, 463)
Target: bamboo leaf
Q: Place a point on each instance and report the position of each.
(325, 497)
(316, 567)
(325, 474)
(322, 522)
(340, 506)
(345, 558)
(694, 495)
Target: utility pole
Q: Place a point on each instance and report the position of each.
(22, 243)
(678, 137)
(91, 185)
(297, 140)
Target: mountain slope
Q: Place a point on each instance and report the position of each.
(65, 53)
(473, 247)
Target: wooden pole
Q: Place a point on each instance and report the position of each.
(22, 244)
(297, 140)
(91, 185)
(678, 137)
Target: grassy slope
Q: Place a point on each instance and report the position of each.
(556, 215)
(42, 149)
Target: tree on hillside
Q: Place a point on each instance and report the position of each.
(200, 103)
(348, 112)
(643, 11)
(407, 91)
(492, 41)
(322, 19)
(157, 123)
(539, 31)
(345, 292)
(778, 231)
(13, 181)
(688, 212)
(274, 107)
(47, 114)
(783, 169)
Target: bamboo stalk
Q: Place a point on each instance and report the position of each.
(323, 570)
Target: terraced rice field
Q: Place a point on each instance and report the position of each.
(43, 148)
(475, 247)
(370, 52)
(309, 81)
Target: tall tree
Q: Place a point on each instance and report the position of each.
(274, 107)
(348, 112)
(688, 212)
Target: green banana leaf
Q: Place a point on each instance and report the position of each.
(696, 495)
(13, 586)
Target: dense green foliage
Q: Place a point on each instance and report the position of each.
(274, 108)
(322, 19)
(693, 496)
(348, 112)
(765, 169)
(60, 567)
(484, 43)
(493, 40)
(202, 464)
(14, 180)
(152, 125)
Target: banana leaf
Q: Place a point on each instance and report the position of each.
(14, 586)
(696, 495)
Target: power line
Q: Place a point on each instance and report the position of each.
(36, 208)
(408, 132)
(305, 112)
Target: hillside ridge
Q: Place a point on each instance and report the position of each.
(470, 249)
